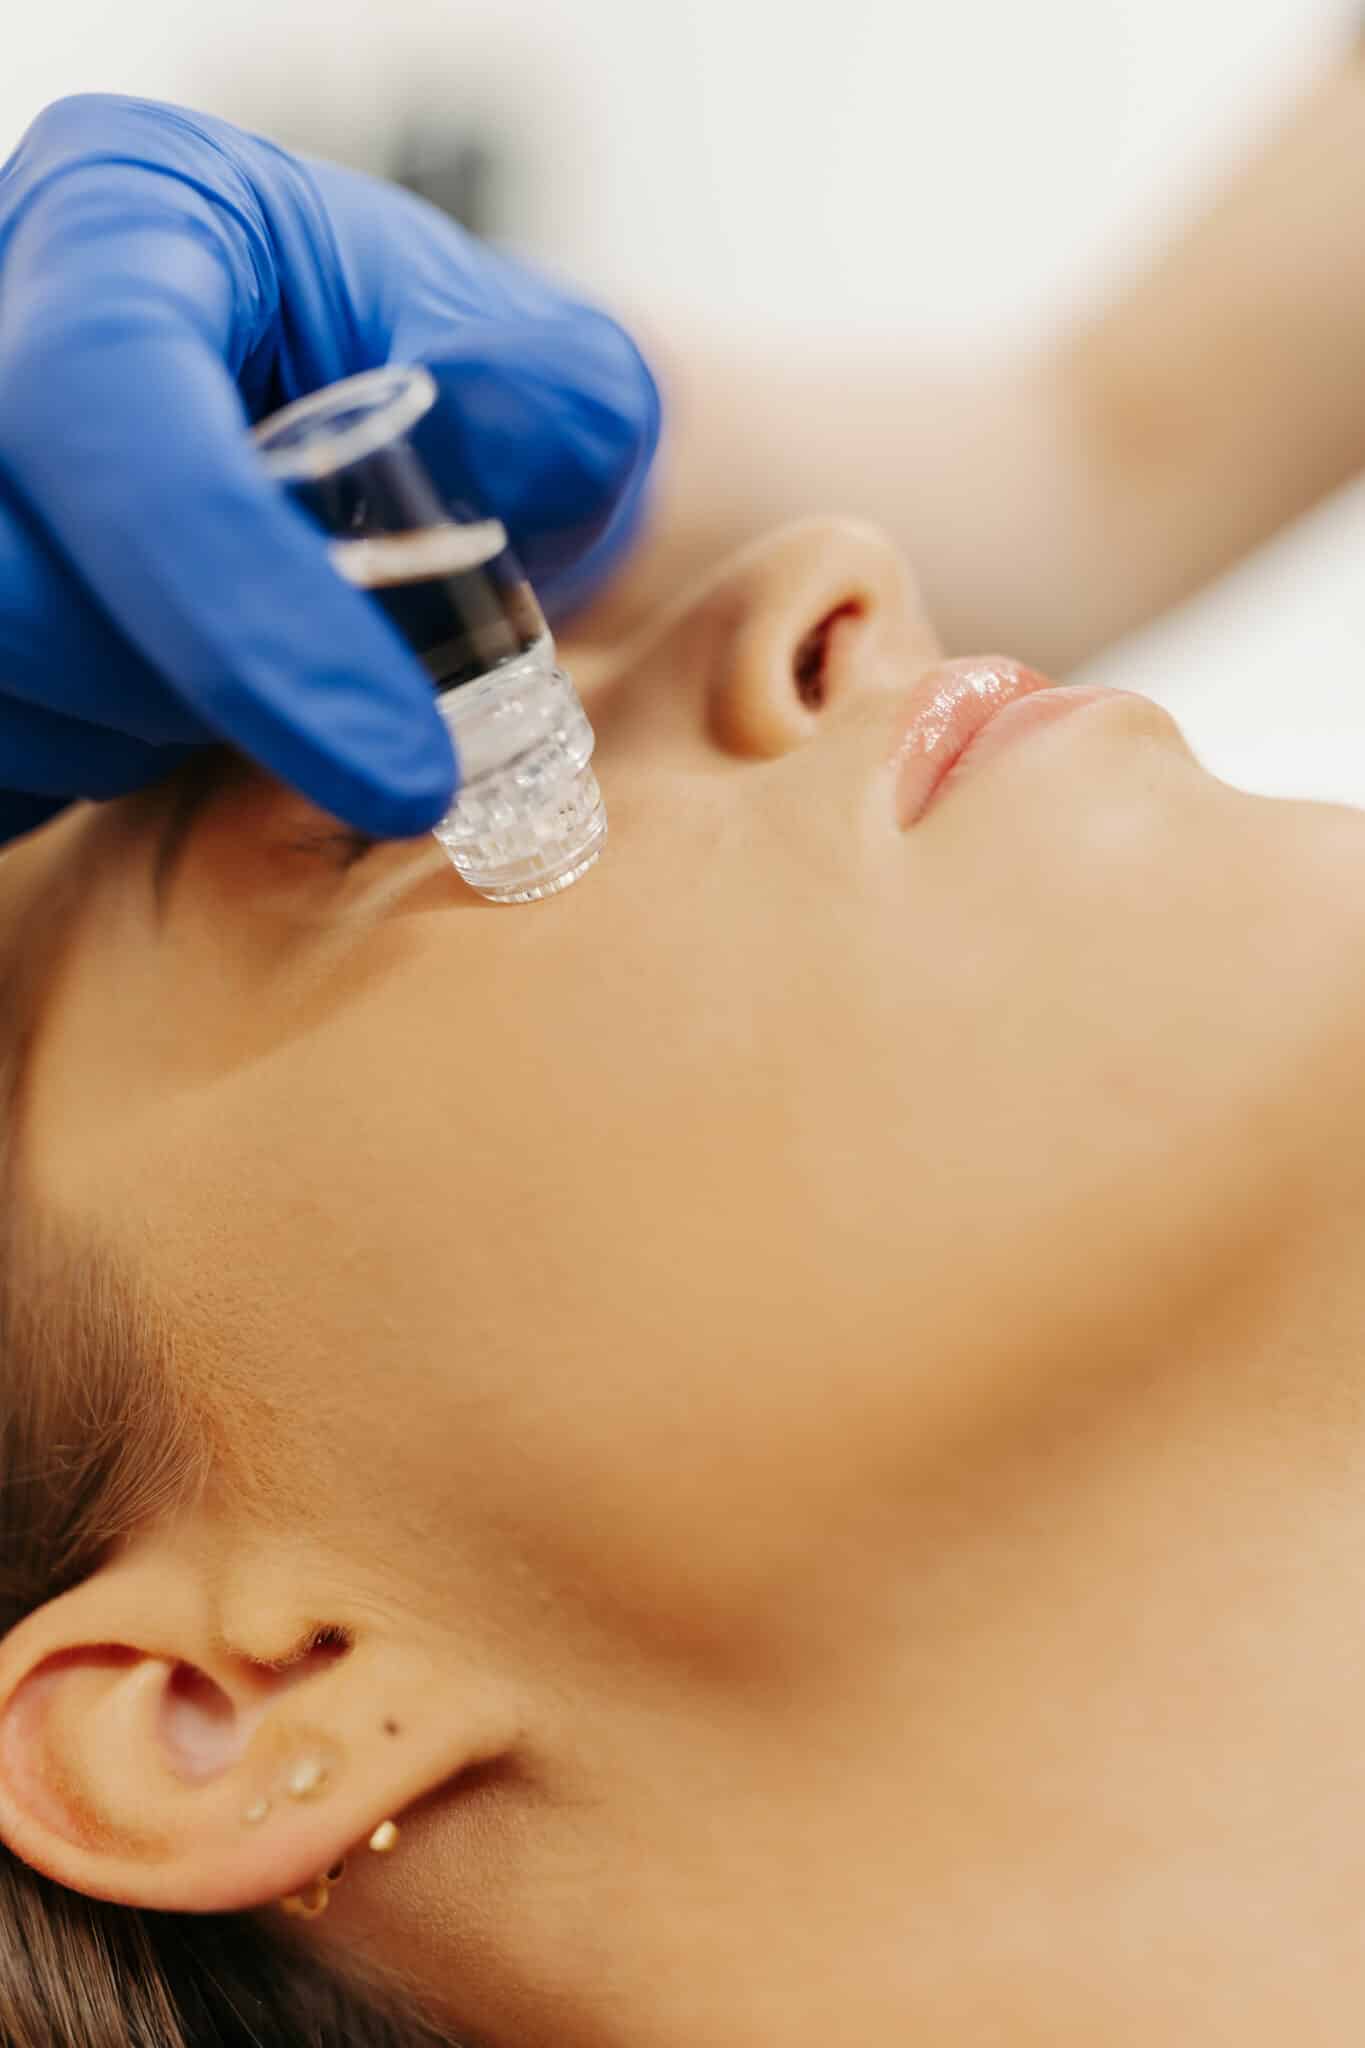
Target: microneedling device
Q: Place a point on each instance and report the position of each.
(528, 819)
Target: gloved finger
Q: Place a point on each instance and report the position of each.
(20, 812)
(60, 756)
(123, 432)
(552, 413)
(57, 647)
(573, 588)
(557, 426)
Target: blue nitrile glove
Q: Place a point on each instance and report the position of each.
(164, 279)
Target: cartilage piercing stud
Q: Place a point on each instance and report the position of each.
(306, 1778)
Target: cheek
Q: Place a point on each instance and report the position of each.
(596, 1351)
(646, 1329)
(576, 1380)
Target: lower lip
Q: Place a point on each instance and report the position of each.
(1013, 724)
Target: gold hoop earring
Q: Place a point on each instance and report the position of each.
(312, 1902)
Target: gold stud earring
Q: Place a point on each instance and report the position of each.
(384, 1838)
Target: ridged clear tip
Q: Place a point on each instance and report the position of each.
(529, 819)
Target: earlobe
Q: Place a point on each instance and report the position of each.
(203, 1784)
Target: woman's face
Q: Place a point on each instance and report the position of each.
(700, 1258)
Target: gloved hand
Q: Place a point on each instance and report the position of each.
(164, 279)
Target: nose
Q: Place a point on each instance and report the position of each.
(760, 657)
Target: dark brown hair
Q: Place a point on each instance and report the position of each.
(96, 1440)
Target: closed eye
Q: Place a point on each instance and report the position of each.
(342, 844)
(214, 773)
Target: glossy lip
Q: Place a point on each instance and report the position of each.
(947, 709)
(959, 706)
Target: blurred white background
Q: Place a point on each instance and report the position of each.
(968, 172)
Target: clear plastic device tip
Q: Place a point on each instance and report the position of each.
(529, 818)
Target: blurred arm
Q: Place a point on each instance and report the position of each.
(1051, 504)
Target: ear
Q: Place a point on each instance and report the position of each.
(144, 1762)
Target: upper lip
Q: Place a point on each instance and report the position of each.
(947, 709)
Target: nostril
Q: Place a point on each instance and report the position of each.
(810, 662)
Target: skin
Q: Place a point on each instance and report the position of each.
(819, 1374)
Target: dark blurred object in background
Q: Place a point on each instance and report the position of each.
(456, 150)
(464, 175)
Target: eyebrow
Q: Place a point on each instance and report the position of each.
(198, 785)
